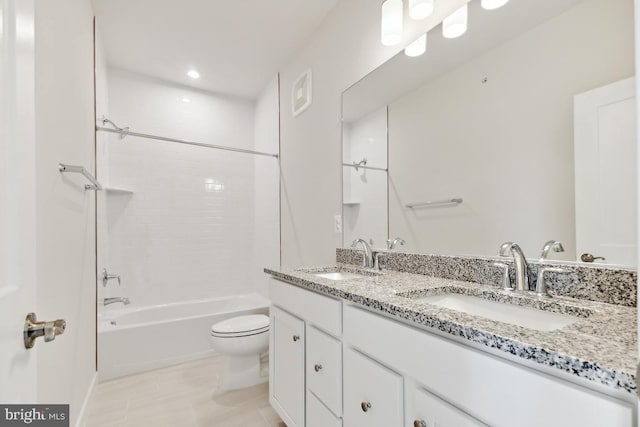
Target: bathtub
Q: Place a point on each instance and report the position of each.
(137, 339)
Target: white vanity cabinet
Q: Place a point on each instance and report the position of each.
(426, 410)
(305, 357)
(373, 395)
(287, 366)
(356, 368)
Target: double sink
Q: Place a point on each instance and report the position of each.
(516, 310)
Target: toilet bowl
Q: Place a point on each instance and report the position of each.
(241, 340)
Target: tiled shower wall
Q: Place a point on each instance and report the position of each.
(188, 228)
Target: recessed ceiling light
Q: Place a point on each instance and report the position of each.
(193, 74)
(186, 100)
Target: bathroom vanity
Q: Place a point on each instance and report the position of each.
(353, 347)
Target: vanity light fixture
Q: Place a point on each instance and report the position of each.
(417, 47)
(493, 4)
(455, 24)
(421, 9)
(193, 74)
(391, 29)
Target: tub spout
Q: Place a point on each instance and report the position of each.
(123, 300)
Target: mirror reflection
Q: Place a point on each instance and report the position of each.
(522, 129)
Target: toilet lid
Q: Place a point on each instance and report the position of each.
(241, 326)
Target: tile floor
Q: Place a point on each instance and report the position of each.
(186, 395)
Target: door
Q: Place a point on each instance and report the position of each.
(287, 373)
(17, 199)
(605, 171)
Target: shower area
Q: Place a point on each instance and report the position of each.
(187, 219)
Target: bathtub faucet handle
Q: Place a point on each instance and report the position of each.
(106, 277)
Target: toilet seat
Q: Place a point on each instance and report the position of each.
(241, 326)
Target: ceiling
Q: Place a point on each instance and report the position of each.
(237, 46)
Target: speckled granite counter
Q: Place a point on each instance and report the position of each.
(601, 345)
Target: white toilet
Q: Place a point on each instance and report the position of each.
(241, 340)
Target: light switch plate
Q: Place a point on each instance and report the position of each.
(337, 223)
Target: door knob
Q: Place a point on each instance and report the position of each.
(34, 329)
(317, 367)
(419, 423)
(590, 258)
(296, 338)
(365, 406)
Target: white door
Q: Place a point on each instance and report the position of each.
(17, 199)
(605, 171)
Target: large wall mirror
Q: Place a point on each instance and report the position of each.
(523, 129)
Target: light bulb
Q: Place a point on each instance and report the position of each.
(493, 4)
(420, 9)
(193, 74)
(391, 31)
(455, 24)
(417, 47)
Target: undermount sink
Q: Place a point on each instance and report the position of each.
(527, 317)
(339, 275)
(339, 272)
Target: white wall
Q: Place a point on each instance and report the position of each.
(364, 191)
(188, 230)
(506, 146)
(343, 50)
(65, 212)
(266, 237)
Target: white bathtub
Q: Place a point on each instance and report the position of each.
(137, 339)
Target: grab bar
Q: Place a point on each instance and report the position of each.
(95, 185)
(456, 202)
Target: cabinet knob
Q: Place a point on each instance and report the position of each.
(365, 406)
(419, 423)
(296, 338)
(317, 367)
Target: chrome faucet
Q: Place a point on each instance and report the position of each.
(391, 244)
(367, 260)
(522, 269)
(554, 245)
(123, 300)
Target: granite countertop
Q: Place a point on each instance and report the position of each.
(601, 346)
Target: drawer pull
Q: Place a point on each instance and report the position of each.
(419, 423)
(365, 406)
(296, 338)
(317, 367)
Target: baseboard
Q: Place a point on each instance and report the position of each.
(84, 411)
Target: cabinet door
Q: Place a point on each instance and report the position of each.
(324, 368)
(287, 367)
(373, 394)
(431, 411)
(319, 415)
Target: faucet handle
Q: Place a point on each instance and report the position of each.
(541, 286)
(504, 249)
(506, 280)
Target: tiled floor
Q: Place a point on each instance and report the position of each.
(186, 395)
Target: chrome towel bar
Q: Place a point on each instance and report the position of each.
(437, 203)
(95, 185)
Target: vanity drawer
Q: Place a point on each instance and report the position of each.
(319, 310)
(324, 368)
(319, 415)
(429, 411)
(373, 394)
